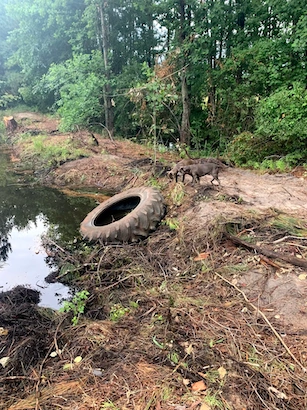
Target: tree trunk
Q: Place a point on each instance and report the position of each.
(185, 119)
(10, 124)
(185, 134)
(107, 94)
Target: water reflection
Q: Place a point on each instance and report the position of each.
(26, 213)
(25, 264)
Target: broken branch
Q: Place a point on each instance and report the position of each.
(271, 254)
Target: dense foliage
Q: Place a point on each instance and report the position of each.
(223, 76)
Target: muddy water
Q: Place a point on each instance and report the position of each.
(26, 214)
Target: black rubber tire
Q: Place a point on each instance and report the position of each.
(126, 217)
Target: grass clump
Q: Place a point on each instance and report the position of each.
(177, 194)
(51, 153)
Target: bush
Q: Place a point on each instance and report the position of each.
(7, 100)
(77, 85)
(282, 119)
(280, 134)
(248, 148)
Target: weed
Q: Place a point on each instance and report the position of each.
(290, 225)
(50, 153)
(117, 312)
(136, 171)
(76, 306)
(173, 357)
(134, 305)
(177, 194)
(213, 401)
(162, 148)
(166, 393)
(239, 268)
(212, 342)
(66, 269)
(253, 356)
(2, 127)
(221, 197)
(27, 136)
(172, 223)
(213, 376)
(109, 405)
(154, 182)
(158, 318)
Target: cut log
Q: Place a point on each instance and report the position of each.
(10, 123)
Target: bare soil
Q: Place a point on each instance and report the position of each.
(207, 324)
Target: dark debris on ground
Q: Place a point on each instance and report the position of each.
(180, 324)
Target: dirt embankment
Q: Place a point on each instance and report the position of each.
(186, 319)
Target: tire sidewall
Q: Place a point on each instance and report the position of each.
(88, 227)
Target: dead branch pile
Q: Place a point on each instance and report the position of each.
(176, 330)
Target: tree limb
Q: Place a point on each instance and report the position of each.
(267, 252)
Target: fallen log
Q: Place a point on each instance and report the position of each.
(267, 252)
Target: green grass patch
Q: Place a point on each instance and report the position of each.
(51, 153)
(289, 225)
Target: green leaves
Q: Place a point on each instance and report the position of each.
(281, 131)
(78, 84)
(283, 117)
(76, 306)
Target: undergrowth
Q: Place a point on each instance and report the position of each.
(41, 149)
(171, 316)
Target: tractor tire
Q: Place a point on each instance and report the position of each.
(126, 217)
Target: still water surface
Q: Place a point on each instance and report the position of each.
(27, 213)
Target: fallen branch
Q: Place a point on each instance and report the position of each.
(17, 378)
(289, 237)
(271, 254)
(265, 319)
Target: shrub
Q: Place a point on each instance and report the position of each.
(247, 148)
(77, 85)
(281, 119)
(281, 132)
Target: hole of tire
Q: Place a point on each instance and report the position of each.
(117, 211)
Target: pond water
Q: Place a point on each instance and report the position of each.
(26, 214)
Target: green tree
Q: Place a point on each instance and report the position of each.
(282, 119)
(78, 86)
(154, 99)
(225, 55)
(41, 37)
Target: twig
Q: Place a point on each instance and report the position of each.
(121, 280)
(289, 237)
(56, 245)
(54, 344)
(17, 378)
(264, 318)
(107, 129)
(69, 257)
(297, 245)
(100, 262)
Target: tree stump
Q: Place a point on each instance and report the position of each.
(10, 124)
